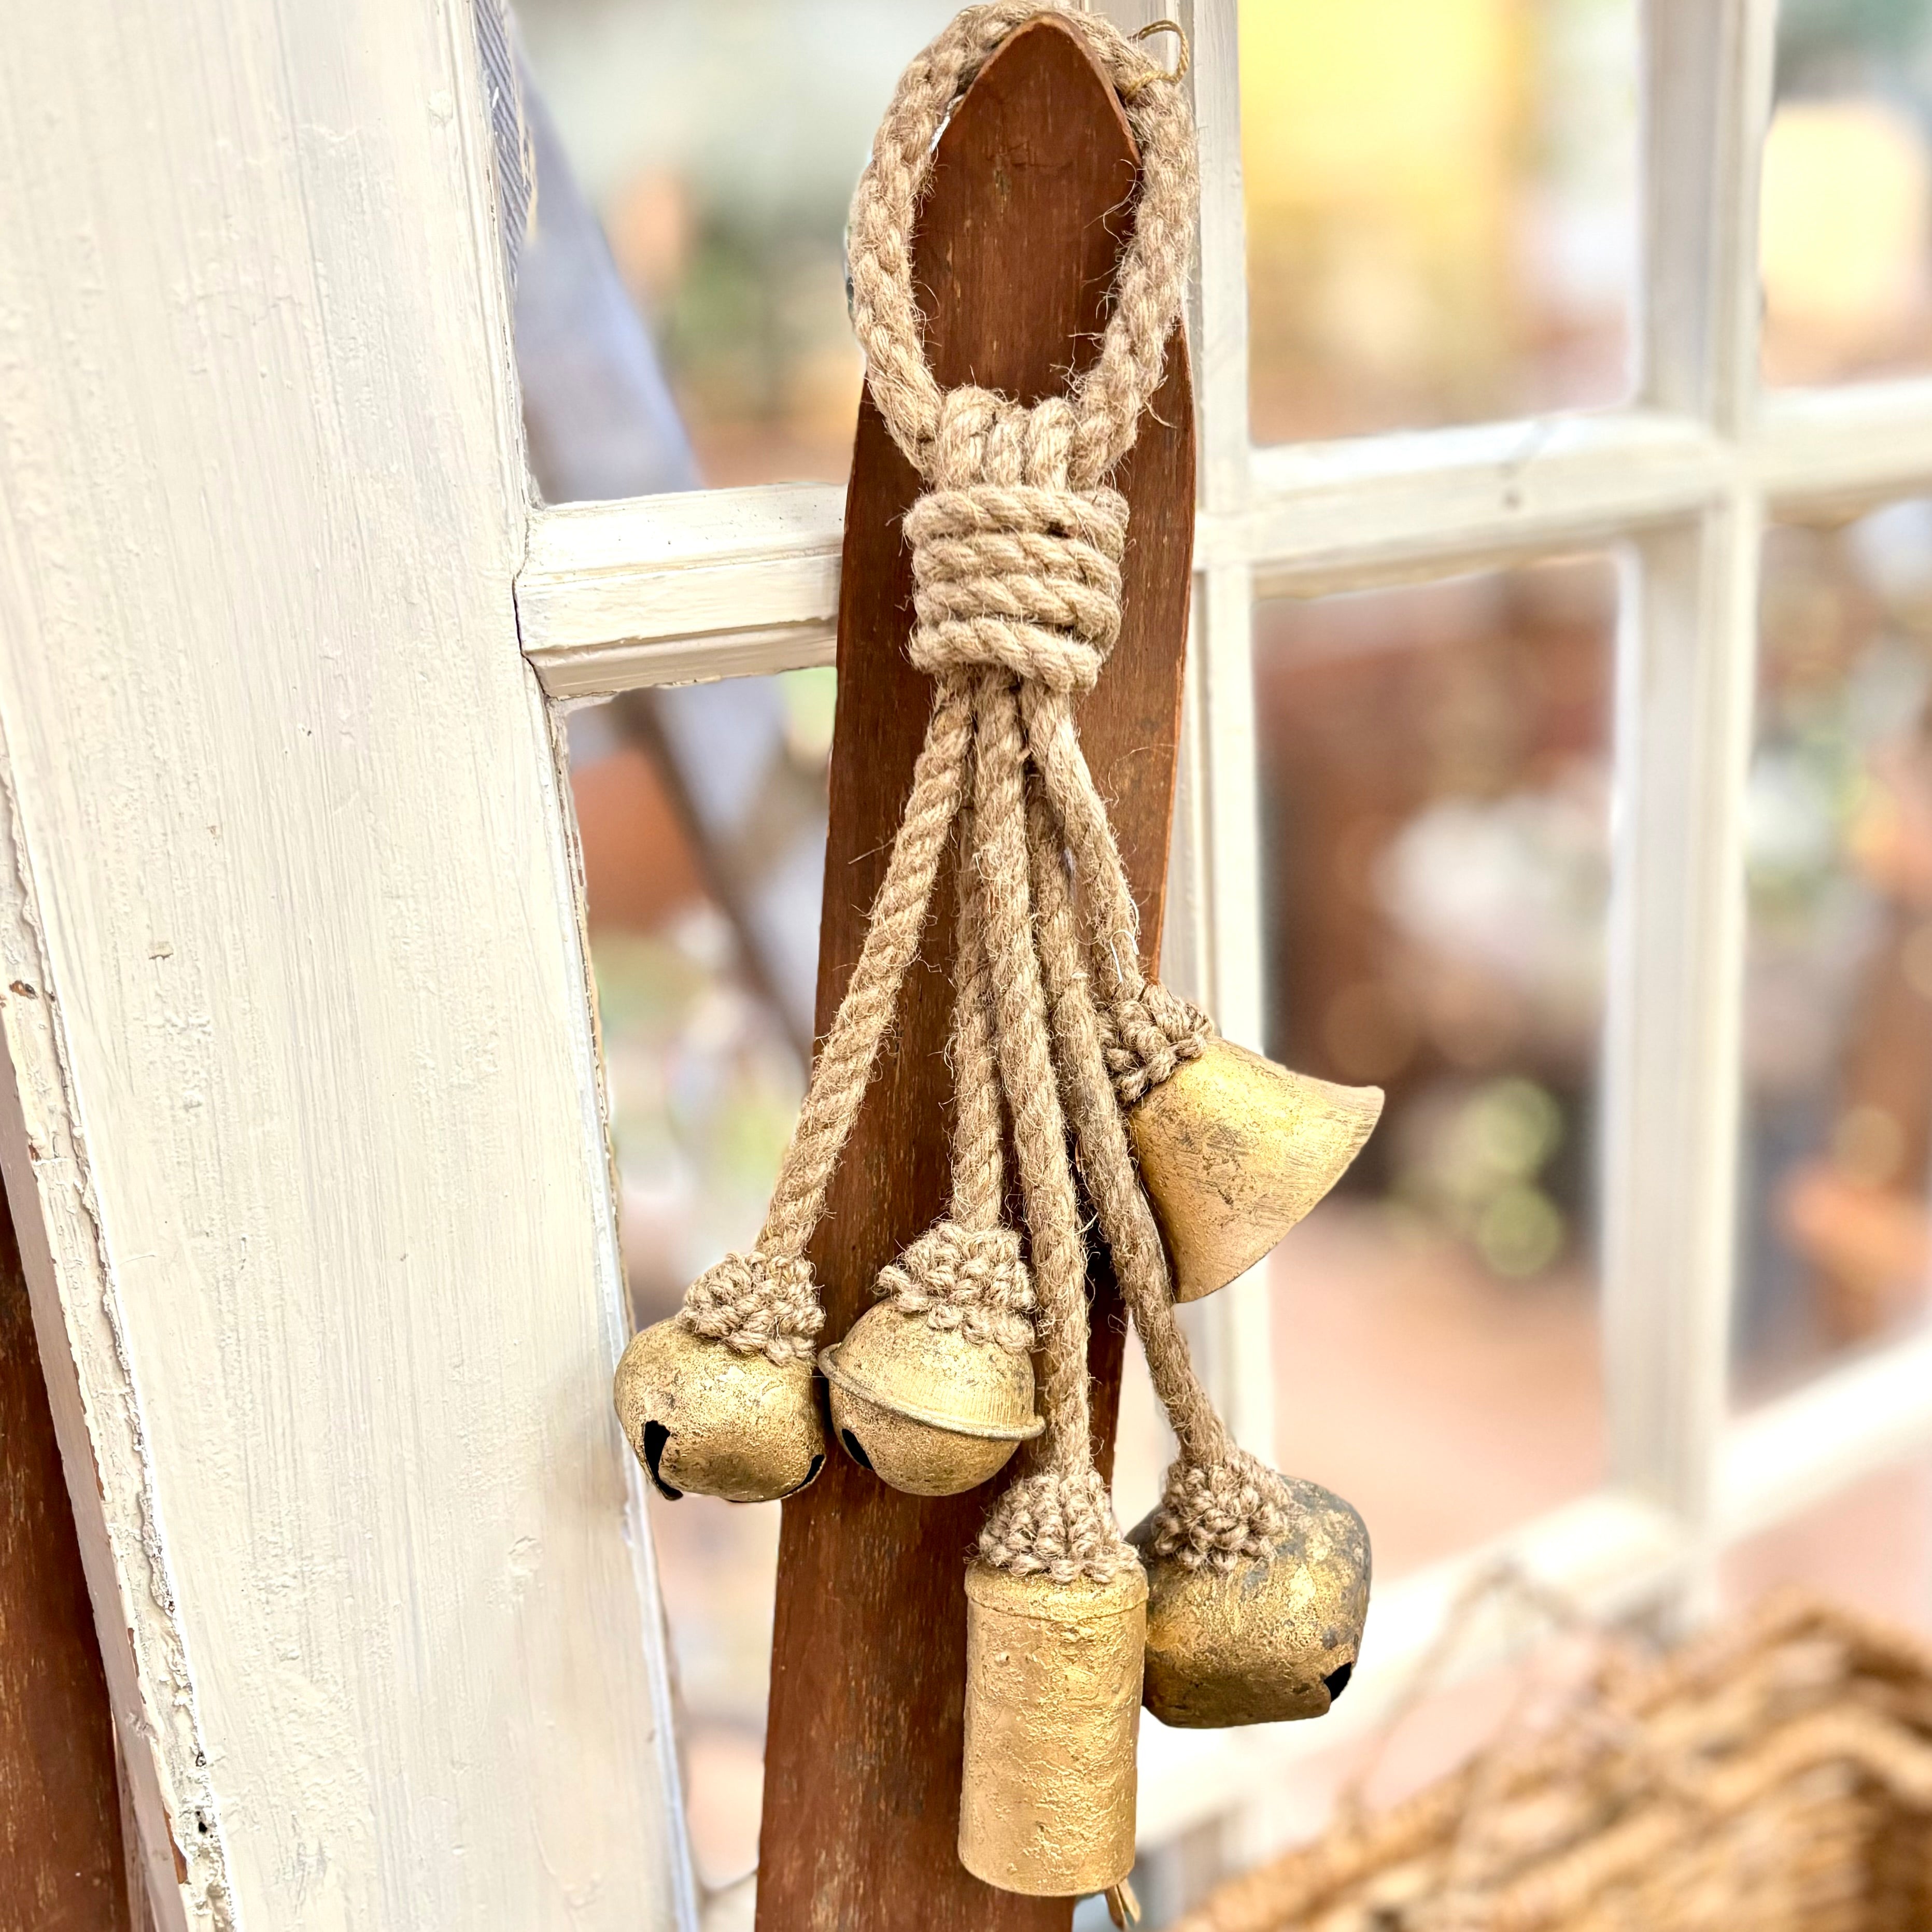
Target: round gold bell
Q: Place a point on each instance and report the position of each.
(1053, 1690)
(927, 1410)
(1234, 1151)
(1269, 1640)
(700, 1415)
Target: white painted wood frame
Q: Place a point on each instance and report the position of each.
(304, 1131)
(303, 1134)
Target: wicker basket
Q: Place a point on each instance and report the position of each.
(1775, 1776)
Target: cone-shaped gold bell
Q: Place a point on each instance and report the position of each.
(928, 1410)
(1053, 1689)
(699, 1415)
(1268, 1640)
(1234, 1151)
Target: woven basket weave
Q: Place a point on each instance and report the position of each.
(1773, 1777)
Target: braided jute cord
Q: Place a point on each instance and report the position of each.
(966, 1274)
(1108, 399)
(1146, 1032)
(1005, 568)
(1017, 546)
(766, 1302)
(1221, 1505)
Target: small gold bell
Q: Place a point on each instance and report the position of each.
(1053, 1688)
(700, 1415)
(928, 1410)
(1234, 1151)
(1268, 1640)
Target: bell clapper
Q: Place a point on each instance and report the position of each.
(1123, 1907)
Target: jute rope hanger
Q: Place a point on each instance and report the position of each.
(1241, 1598)
(1016, 547)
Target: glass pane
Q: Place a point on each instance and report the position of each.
(1441, 209)
(1870, 1547)
(1435, 773)
(1846, 215)
(718, 141)
(700, 812)
(1838, 1002)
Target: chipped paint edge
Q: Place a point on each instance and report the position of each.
(98, 1415)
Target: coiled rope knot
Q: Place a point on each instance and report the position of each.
(1146, 1033)
(1012, 566)
(1058, 1523)
(1216, 1517)
(761, 1303)
(970, 1278)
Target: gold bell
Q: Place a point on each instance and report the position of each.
(1053, 1690)
(1234, 1151)
(699, 1415)
(1271, 1640)
(928, 1410)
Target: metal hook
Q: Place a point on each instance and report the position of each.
(1180, 72)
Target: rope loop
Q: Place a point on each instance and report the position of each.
(970, 1278)
(1108, 398)
(762, 1304)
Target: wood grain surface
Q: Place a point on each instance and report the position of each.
(1030, 204)
(60, 1864)
(299, 1092)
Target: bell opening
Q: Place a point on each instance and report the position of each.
(811, 1476)
(656, 1435)
(856, 1450)
(1336, 1681)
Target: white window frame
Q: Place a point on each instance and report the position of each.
(1680, 482)
(313, 1194)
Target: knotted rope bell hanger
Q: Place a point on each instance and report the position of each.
(1245, 1590)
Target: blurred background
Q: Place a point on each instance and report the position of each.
(1442, 225)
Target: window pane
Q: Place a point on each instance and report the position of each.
(719, 141)
(1441, 209)
(1838, 1004)
(1435, 777)
(1870, 1547)
(701, 813)
(1847, 191)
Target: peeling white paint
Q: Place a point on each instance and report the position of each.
(303, 1129)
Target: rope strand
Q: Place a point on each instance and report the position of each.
(1220, 1504)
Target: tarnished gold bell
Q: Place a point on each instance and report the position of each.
(1266, 1640)
(1234, 1151)
(1053, 1691)
(701, 1416)
(927, 1410)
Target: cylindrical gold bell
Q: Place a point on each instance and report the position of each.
(699, 1415)
(1053, 1689)
(1268, 1640)
(1234, 1151)
(927, 1410)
